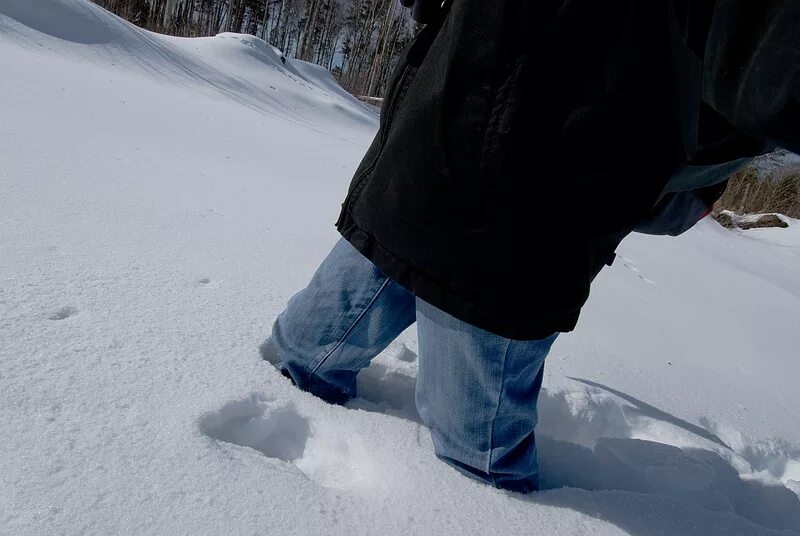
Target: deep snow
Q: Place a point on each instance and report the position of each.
(162, 198)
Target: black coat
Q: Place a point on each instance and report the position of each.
(522, 140)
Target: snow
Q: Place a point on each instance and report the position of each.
(162, 199)
(768, 165)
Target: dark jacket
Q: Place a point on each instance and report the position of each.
(522, 140)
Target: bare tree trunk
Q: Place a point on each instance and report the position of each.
(311, 20)
(358, 39)
(383, 38)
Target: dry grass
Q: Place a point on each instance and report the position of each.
(749, 194)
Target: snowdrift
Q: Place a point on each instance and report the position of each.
(240, 67)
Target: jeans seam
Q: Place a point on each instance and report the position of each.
(496, 412)
(350, 329)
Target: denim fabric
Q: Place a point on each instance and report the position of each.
(475, 391)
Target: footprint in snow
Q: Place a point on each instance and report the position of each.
(63, 313)
(330, 458)
(631, 265)
(278, 432)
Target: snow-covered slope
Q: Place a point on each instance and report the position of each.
(162, 198)
(241, 68)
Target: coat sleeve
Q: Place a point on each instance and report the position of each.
(751, 68)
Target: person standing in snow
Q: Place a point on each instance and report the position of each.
(519, 143)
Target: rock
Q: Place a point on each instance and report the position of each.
(731, 220)
(763, 221)
(725, 219)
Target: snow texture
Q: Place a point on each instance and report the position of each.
(160, 201)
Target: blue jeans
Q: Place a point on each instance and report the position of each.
(475, 391)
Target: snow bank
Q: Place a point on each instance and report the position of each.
(163, 198)
(242, 68)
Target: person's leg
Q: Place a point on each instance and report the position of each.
(346, 316)
(477, 393)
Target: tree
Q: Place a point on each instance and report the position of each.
(358, 40)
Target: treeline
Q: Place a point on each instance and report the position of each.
(358, 40)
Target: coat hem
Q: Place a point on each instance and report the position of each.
(439, 296)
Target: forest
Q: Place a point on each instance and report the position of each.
(358, 40)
